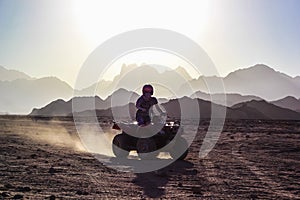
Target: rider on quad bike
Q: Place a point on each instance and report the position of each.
(148, 135)
(143, 104)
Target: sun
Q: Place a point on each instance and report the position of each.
(99, 20)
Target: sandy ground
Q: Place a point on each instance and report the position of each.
(252, 160)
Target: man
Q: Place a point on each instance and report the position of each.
(143, 104)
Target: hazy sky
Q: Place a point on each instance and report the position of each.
(54, 37)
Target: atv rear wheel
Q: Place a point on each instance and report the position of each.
(146, 147)
(119, 146)
(180, 149)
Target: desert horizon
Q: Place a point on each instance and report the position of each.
(108, 89)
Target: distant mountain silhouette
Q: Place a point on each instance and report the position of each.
(231, 99)
(297, 79)
(262, 81)
(259, 80)
(11, 75)
(63, 108)
(122, 112)
(21, 95)
(102, 89)
(173, 109)
(60, 107)
(247, 110)
(269, 110)
(288, 102)
(55, 108)
(186, 104)
(133, 77)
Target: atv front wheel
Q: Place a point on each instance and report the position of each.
(119, 146)
(145, 148)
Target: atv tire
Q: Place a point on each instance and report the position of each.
(119, 146)
(146, 148)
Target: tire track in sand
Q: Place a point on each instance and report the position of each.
(273, 186)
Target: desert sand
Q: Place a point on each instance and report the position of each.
(44, 159)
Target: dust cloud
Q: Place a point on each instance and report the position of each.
(83, 137)
(96, 139)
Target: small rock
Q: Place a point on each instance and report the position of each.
(253, 196)
(179, 184)
(52, 170)
(4, 194)
(79, 192)
(23, 189)
(18, 196)
(33, 155)
(8, 186)
(52, 197)
(197, 190)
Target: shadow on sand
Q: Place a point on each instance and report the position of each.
(153, 183)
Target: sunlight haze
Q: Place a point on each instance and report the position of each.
(54, 38)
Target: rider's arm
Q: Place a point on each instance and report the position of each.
(160, 111)
(138, 105)
(158, 107)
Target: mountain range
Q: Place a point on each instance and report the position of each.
(259, 80)
(60, 107)
(288, 102)
(10, 75)
(269, 110)
(231, 98)
(20, 93)
(253, 109)
(133, 77)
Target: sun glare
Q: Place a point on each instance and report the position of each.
(98, 21)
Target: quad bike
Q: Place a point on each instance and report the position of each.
(166, 135)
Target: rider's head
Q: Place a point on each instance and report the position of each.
(148, 89)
